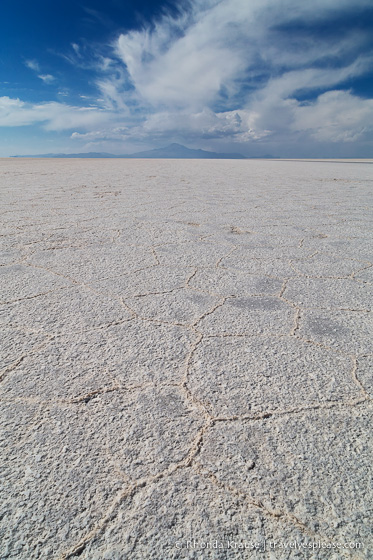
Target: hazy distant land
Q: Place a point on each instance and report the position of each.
(172, 151)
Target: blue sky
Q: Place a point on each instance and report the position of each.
(291, 78)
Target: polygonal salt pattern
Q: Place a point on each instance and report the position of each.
(227, 282)
(187, 359)
(248, 375)
(329, 293)
(346, 331)
(314, 465)
(188, 516)
(64, 311)
(59, 486)
(249, 316)
(20, 282)
(131, 354)
(179, 306)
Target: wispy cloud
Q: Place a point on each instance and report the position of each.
(76, 49)
(47, 78)
(112, 95)
(53, 116)
(35, 66)
(204, 58)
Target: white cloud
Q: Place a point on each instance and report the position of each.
(33, 65)
(336, 116)
(236, 125)
(47, 78)
(112, 96)
(278, 109)
(76, 48)
(105, 63)
(52, 115)
(313, 78)
(114, 133)
(185, 62)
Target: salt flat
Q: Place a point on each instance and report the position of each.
(188, 362)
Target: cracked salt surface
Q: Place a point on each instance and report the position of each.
(197, 369)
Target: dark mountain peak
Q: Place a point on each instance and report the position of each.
(179, 151)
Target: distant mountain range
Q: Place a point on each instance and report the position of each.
(173, 151)
(182, 152)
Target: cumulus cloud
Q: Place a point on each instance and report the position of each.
(336, 116)
(114, 133)
(238, 125)
(278, 109)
